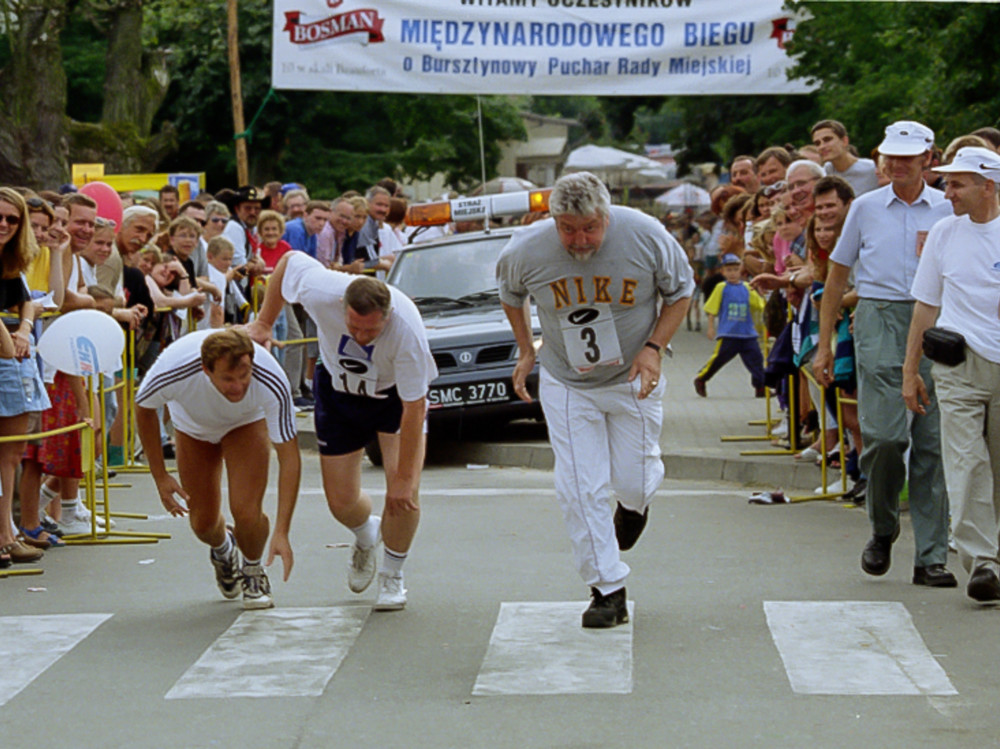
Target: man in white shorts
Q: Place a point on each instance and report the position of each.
(372, 380)
(228, 399)
(597, 274)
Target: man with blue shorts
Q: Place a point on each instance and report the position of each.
(372, 380)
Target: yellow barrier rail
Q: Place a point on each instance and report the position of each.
(822, 447)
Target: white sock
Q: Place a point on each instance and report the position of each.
(392, 562)
(224, 549)
(367, 533)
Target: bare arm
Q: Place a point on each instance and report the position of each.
(399, 495)
(519, 320)
(646, 364)
(260, 329)
(289, 475)
(833, 293)
(914, 387)
(148, 427)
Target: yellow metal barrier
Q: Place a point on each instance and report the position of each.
(822, 447)
(767, 423)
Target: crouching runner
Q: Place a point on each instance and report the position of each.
(228, 398)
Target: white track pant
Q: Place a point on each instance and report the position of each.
(604, 439)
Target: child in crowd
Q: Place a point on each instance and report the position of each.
(234, 305)
(733, 303)
(270, 227)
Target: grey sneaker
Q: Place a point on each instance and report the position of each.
(256, 587)
(391, 593)
(362, 567)
(227, 569)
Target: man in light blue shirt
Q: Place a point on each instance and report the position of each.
(882, 239)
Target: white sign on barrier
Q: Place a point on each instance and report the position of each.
(601, 47)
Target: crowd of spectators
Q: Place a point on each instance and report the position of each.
(170, 267)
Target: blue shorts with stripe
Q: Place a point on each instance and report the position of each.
(346, 423)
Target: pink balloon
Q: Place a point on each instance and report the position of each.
(109, 205)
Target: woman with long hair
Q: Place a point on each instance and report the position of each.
(21, 390)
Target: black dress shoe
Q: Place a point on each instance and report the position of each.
(983, 586)
(606, 611)
(877, 556)
(629, 525)
(934, 576)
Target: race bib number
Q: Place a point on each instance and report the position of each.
(354, 371)
(590, 338)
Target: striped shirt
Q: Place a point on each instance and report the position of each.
(199, 410)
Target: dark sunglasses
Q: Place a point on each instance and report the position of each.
(105, 223)
(219, 220)
(37, 203)
(11, 220)
(774, 189)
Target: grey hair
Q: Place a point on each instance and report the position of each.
(133, 212)
(580, 194)
(215, 207)
(296, 193)
(376, 190)
(812, 166)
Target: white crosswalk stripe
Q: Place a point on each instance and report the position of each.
(540, 648)
(31, 644)
(854, 647)
(274, 653)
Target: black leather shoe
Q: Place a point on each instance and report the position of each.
(606, 611)
(983, 586)
(934, 576)
(629, 525)
(877, 556)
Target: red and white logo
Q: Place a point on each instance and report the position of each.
(304, 29)
(783, 29)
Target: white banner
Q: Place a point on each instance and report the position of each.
(603, 47)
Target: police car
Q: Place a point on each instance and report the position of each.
(453, 282)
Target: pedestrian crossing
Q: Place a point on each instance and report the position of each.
(534, 648)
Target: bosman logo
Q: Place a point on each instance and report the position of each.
(308, 30)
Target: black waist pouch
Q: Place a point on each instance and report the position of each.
(944, 346)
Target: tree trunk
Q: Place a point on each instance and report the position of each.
(33, 122)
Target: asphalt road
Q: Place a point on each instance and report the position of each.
(700, 662)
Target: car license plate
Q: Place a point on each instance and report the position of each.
(469, 394)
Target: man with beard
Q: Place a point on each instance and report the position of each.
(597, 274)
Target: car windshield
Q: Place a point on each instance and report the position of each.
(461, 272)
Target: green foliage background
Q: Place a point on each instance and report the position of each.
(872, 62)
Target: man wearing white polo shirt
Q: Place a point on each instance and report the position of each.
(958, 285)
(882, 239)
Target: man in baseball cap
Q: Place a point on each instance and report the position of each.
(955, 289)
(882, 240)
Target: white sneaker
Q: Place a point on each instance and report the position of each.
(71, 525)
(83, 514)
(834, 487)
(781, 430)
(256, 587)
(809, 455)
(391, 593)
(361, 569)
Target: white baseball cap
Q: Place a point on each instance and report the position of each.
(906, 138)
(975, 160)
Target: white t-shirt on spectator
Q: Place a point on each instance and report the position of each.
(959, 272)
(199, 410)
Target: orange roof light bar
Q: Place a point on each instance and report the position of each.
(475, 209)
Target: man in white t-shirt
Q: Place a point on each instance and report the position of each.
(228, 399)
(957, 283)
(371, 381)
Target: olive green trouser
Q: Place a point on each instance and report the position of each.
(888, 428)
(969, 397)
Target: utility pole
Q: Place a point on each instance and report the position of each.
(239, 127)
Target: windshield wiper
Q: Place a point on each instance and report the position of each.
(428, 300)
(480, 296)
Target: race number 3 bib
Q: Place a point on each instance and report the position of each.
(590, 338)
(354, 371)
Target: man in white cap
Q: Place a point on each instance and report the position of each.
(956, 286)
(882, 239)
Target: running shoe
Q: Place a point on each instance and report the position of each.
(362, 567)
(391, 593)
(256, 587)
(227, 569)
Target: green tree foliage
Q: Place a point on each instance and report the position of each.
(879, 62)
(331, 141)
